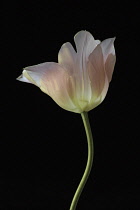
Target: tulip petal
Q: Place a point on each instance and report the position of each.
(109, 56)
(105, 89)
(67, 56)
(85, 43)
(32, 74)
(22, 78)
(55, 81)
(98, 100)
(96, 71)
(109, 66)
(60, 86)
(108, 47)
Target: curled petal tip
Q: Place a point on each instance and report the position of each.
(23, 77)
(19, 78)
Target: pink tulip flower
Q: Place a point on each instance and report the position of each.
(80, 80)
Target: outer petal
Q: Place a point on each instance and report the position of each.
(109, 56)
(54, 80)
(108, 47)
(95, 101)
(109, 66)
(22, 78)
(67, 57)
(61, 87)
(96, 70)
(32, 74)
(98, 78)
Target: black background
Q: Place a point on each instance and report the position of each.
(44, 147)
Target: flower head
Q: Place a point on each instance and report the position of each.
(80, 80)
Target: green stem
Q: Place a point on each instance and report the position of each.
(89, 161)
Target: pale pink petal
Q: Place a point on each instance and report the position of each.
(85, 43)
(96, 70)
(67, 57)
(96, 100)
(55, 81)
(109, 66)
(108, 47)
(105, 88)
(60, 86)
(40, 68)
(36, 72)
(109, 56)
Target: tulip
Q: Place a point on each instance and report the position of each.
(80, 80)
(78, 83)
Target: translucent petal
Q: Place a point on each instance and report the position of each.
(55, 81)
(109, 66)
(109, 56)
(108, 47)
(96, 71)
(85, 43)
(67, 57)
(23, 78)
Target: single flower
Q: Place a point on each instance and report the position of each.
(80, 80)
